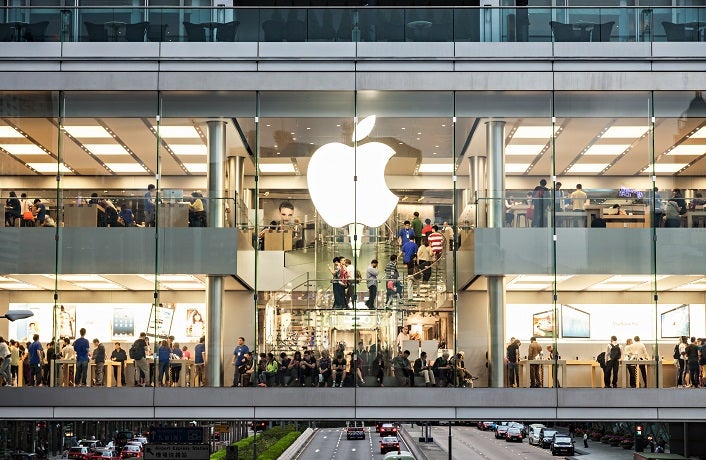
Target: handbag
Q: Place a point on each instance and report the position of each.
(530, 212)
(27, 215)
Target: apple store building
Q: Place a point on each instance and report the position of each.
(244, 185)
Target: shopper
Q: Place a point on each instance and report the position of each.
(81, 347)
(612, 363)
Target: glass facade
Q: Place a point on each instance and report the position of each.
(264, 192)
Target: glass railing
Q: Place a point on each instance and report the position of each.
(470, 24)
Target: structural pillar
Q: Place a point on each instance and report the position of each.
(214, 284)
(478, 188)
(495, 139)
(235, 189)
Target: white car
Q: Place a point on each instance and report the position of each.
(533, 434)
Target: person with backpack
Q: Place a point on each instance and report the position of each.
(138, 353)
(612, 363)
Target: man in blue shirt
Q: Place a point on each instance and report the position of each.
(409, 251)
(199, 350)
(81, 346)
(35, 361)
(239, 359)
(41, 211)
(404, 233)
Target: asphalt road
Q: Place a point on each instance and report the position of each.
(331, 444)
(469, 442)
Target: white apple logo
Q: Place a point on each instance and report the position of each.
(330, 180)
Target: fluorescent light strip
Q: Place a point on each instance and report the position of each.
(540, 278)
(196, 167)
(613, 286)
(189, 149)
(625, 132)
(606, 149)
(84, 278)
(534, 132)
(632, 278)
(516, 167)
(276, 167)
(527, 286)
(173, 278)
(48, 167)
(587, 168)
(9, 131)
(178, 132)
(125, 167)
(106, 149)
(23, 149)
(100, 286)
(16, 286)
(699, 134)
(688, 149)
(436, 168)
(516, 149)
(183, 286)
(88, 132)
(666, 167)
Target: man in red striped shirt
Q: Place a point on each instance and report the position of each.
(436, 241)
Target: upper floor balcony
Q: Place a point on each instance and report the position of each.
(345, 24)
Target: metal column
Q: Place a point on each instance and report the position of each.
(214, 284)
(495, 139)
(477, 173)
(235, 188)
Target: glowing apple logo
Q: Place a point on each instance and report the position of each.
(330, 180)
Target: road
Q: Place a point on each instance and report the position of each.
(331, 444)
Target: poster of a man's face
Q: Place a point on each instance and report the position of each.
(286, 213)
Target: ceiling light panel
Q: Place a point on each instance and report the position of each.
(125, 167)
(173, 278)
(700, 133)
(533, 132)
(17, 286)
(625, 132)
(540, 278)
(276, 167)
(106, 149)
(606, 149)
(48, 167)
(532, 150)
(516, 167)
(688, 149)
(587, 168)
(613, 286)
(107, 286)
(196, 167)
(436, 168)
(189, 149)
(9, 131)
(23, 149)
(178, 132)
(666, 167)
(87, 132)
(527, 286)
(183, 286)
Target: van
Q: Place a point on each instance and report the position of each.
(401, 455)
(533, 434)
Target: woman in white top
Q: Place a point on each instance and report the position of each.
(682, 375)
(67, 352)
(402, 336)
(640, 352)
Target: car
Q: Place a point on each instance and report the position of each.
(140, 439)
(355, 429)
(79, 453)
(388, 444)
(533, 434)
(259, 425)
(562, 444)
(137, 444)
(388, 429)
(521, 426)
(122, 437)
(102, 453)
(500, 431)
(131, 451)
(90, 443)
(485, 426)
(547, 435)
(399, 455)
(513, 434)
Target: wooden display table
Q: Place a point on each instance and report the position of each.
(546, 365)
(278, 240)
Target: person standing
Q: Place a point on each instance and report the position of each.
(119, 356)
(585, 439)
(371, 277)
(81, 347)
(657, 197)
(534, 351)
(680, 360)
(99, 361)
(436, 242)
(641, 354)
(14, 360)
(149, 206)
(392, 280)
(449, 235)
(630, 355)
(5, 356)
(424, 259)
(339, 283)
(139, 353)
(404, 234)
(238, 359)
(409, 254)
(199, 362)
(513, 350)
(417, 225)
(613, 354)
(692, 361)
(35, 352)
(13, 210)
(539, 201)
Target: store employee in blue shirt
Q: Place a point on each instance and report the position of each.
(239, 359)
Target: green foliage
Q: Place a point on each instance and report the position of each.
(268, 443)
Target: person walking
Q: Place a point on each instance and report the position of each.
(238, 359)
(585, 439)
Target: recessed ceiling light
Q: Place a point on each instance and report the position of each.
(86, 132)
(48, 167)
(606, 149)
(533, 132)
(436, 168)
(9, 131)
(404, 129)
(688, 149)
(699, 134)
(588, 167)
(106, 149)
(516, 167)
(23, 149)
(196, 167)
(532, 150)
(277, 167)
(338, 126)
(666, 167)
(189, 149)
(625, 132)
(308, 128)
(178, 132)
(419, 134)
(125, 167)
